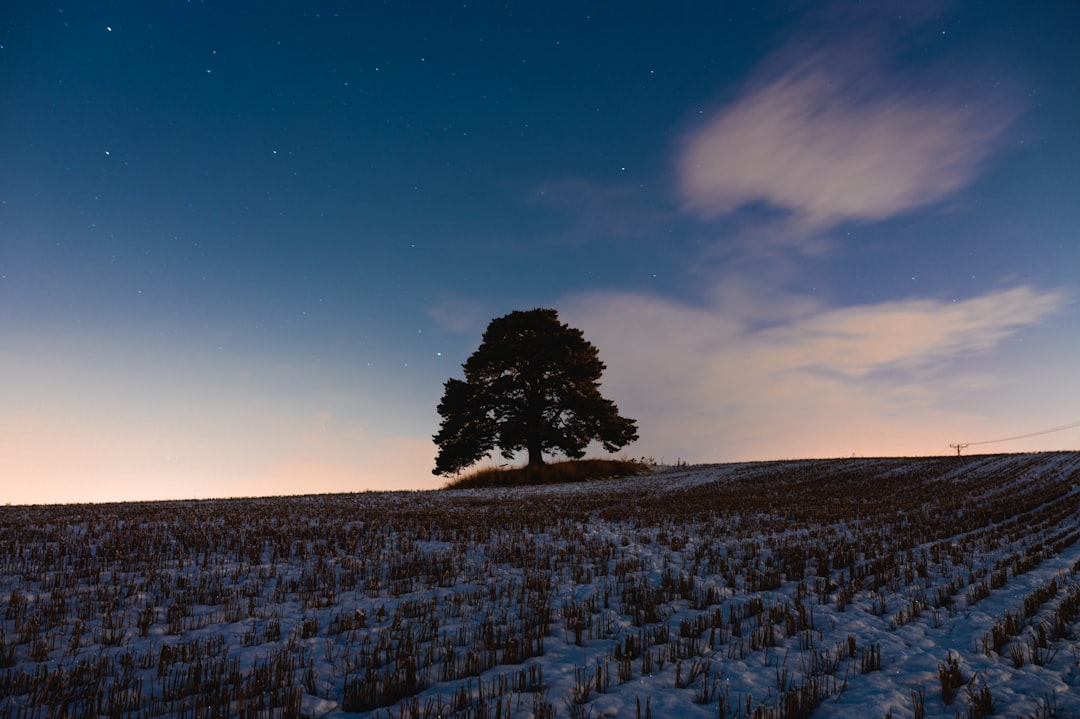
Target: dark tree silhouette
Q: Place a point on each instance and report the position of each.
(533, 384)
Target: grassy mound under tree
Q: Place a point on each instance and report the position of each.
(575, 470)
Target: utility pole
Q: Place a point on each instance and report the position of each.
(958, 447)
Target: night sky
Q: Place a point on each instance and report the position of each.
(242, 245)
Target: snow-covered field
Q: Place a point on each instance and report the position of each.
(929, 587)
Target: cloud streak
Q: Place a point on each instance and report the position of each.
(874, 379)
(905, 335)
(831, 136)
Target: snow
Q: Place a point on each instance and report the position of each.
(831, 588)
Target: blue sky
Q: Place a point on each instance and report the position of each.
(242, 247)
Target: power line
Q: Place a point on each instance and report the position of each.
(1059, 428)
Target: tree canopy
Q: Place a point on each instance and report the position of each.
(533, 384)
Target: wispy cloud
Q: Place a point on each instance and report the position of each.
(593, 211)
(710, 385)
(460, 315)
(827, 132)
(908, 334)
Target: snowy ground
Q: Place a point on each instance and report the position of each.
(843, 588)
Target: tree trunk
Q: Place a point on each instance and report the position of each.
(534, 413)
(536, 455)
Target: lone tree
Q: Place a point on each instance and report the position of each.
(532, 384)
